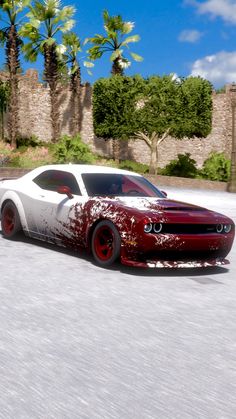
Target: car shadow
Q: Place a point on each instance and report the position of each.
(128, 270)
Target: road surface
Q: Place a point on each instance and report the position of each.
(82, 342)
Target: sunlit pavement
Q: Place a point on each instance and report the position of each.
(78, 341)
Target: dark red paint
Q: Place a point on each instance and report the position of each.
(148, 249)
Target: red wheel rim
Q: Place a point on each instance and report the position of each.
(104, 243)
(8, 221)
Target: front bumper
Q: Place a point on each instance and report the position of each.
(174, 264)
(177, 251)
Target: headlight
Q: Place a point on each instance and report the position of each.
(157, 227)
(147, 228)
(227, 228)
(219, 228)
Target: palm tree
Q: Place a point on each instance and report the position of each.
(9, 36)
(114, 42)
(47, 19)
(72, 44)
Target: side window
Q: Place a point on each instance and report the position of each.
(51, 179)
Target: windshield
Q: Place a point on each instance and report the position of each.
(110, 184)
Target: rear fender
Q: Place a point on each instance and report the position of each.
(12, 196)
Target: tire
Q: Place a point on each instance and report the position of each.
(106, 243)
(11, 225)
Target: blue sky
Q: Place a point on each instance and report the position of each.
(184, 37)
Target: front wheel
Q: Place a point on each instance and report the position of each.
(10, 221)
(106, 243)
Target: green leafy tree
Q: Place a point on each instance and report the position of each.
(9, 36)
(176, 107)
(47, 20)
(114, 102)
(114, 42)
(4, 101)
(152, 109)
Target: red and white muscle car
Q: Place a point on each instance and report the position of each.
(116, 214)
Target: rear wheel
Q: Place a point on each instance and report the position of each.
(10, 222)
(106, 243)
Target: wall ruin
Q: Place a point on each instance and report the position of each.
(34, 119)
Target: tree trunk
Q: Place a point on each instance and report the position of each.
(55, 115)
(13, 64)
(154, 157)
(116, 150)
(76, 102)
(116, 68)
(52, 76)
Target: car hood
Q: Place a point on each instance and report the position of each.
(158, 204)
(171, 210)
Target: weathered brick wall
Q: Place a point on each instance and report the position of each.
(34, 119)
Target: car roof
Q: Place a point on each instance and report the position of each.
(78, 169)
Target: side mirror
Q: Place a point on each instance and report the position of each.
(164, 193)
(65, 190)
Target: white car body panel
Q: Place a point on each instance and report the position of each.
(40, 210)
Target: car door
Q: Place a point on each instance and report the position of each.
(53, 211)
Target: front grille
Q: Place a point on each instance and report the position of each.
(188, 228)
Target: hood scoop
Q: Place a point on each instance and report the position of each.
(169, 205)
(179, 208)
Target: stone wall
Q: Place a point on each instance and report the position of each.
(34, 119)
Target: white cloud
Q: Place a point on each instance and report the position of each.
(219, 69)
(226, 9)
(190, 36)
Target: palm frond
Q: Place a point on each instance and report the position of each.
(127, 27)
(67, 26)
(136, 57)
(29, 31)
(129, 39)
(88, 64)
(95, 52)
(66, 13)
(30, 51)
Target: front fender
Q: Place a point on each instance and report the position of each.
(14, 197)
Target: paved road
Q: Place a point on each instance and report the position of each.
(78, 341)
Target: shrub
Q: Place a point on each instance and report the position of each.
(73, 150)
(216, 167)
(25, 142)
(183, 166)
(134, 166)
